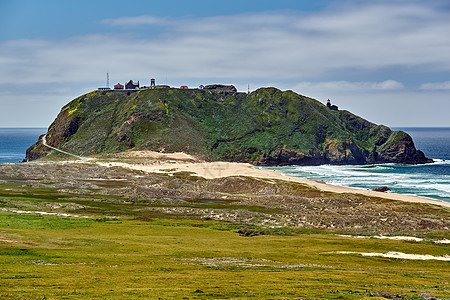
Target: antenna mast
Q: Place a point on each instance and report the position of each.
(107, 79)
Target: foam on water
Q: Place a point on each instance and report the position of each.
(431, 180)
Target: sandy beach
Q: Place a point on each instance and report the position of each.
(156, 162)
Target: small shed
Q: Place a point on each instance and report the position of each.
(118, 86)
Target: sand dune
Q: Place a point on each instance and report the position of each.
(156, 162)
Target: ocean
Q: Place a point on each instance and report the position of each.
(430, 180)
(14, 142)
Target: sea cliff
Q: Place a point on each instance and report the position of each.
(265, 127)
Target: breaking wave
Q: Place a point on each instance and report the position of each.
(431, 180)
(428, 180)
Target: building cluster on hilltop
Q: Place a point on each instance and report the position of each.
(220, 88)
(134, 86)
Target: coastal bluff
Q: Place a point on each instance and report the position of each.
(265, 127)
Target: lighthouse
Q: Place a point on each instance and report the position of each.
(332, 107)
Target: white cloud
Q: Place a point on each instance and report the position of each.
(338, 49)
(436, 86)
(350, 86)
(285, 46)
(394, 108)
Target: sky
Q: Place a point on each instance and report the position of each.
(386, 61)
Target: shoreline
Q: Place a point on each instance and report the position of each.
(169, 163)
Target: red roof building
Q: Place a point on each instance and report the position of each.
(118, 86)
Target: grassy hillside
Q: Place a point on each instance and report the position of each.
(268, 126)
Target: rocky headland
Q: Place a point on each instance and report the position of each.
(265, 127)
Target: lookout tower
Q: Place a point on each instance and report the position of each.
(152, 83)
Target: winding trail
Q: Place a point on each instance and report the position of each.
(44, 141)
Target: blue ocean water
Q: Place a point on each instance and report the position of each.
(429, 180)
(15, 141)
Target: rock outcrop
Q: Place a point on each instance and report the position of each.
(220, 88)
(266, 127)
(382, 189)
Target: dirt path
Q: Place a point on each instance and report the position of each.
(44, 142)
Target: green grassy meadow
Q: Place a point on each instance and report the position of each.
(76, 258)
(81, 231)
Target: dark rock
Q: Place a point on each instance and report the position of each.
(346, 152)
(383, 135)
(382, 189)
(428, 297)
(401, 150)
(220, 88)
(248, 232)
(385, 295)
(281, 156)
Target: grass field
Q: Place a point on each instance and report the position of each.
(67, 258)
(148, 238)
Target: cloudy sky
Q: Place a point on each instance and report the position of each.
(387, 61)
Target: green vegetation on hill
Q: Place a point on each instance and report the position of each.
(268, 126)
